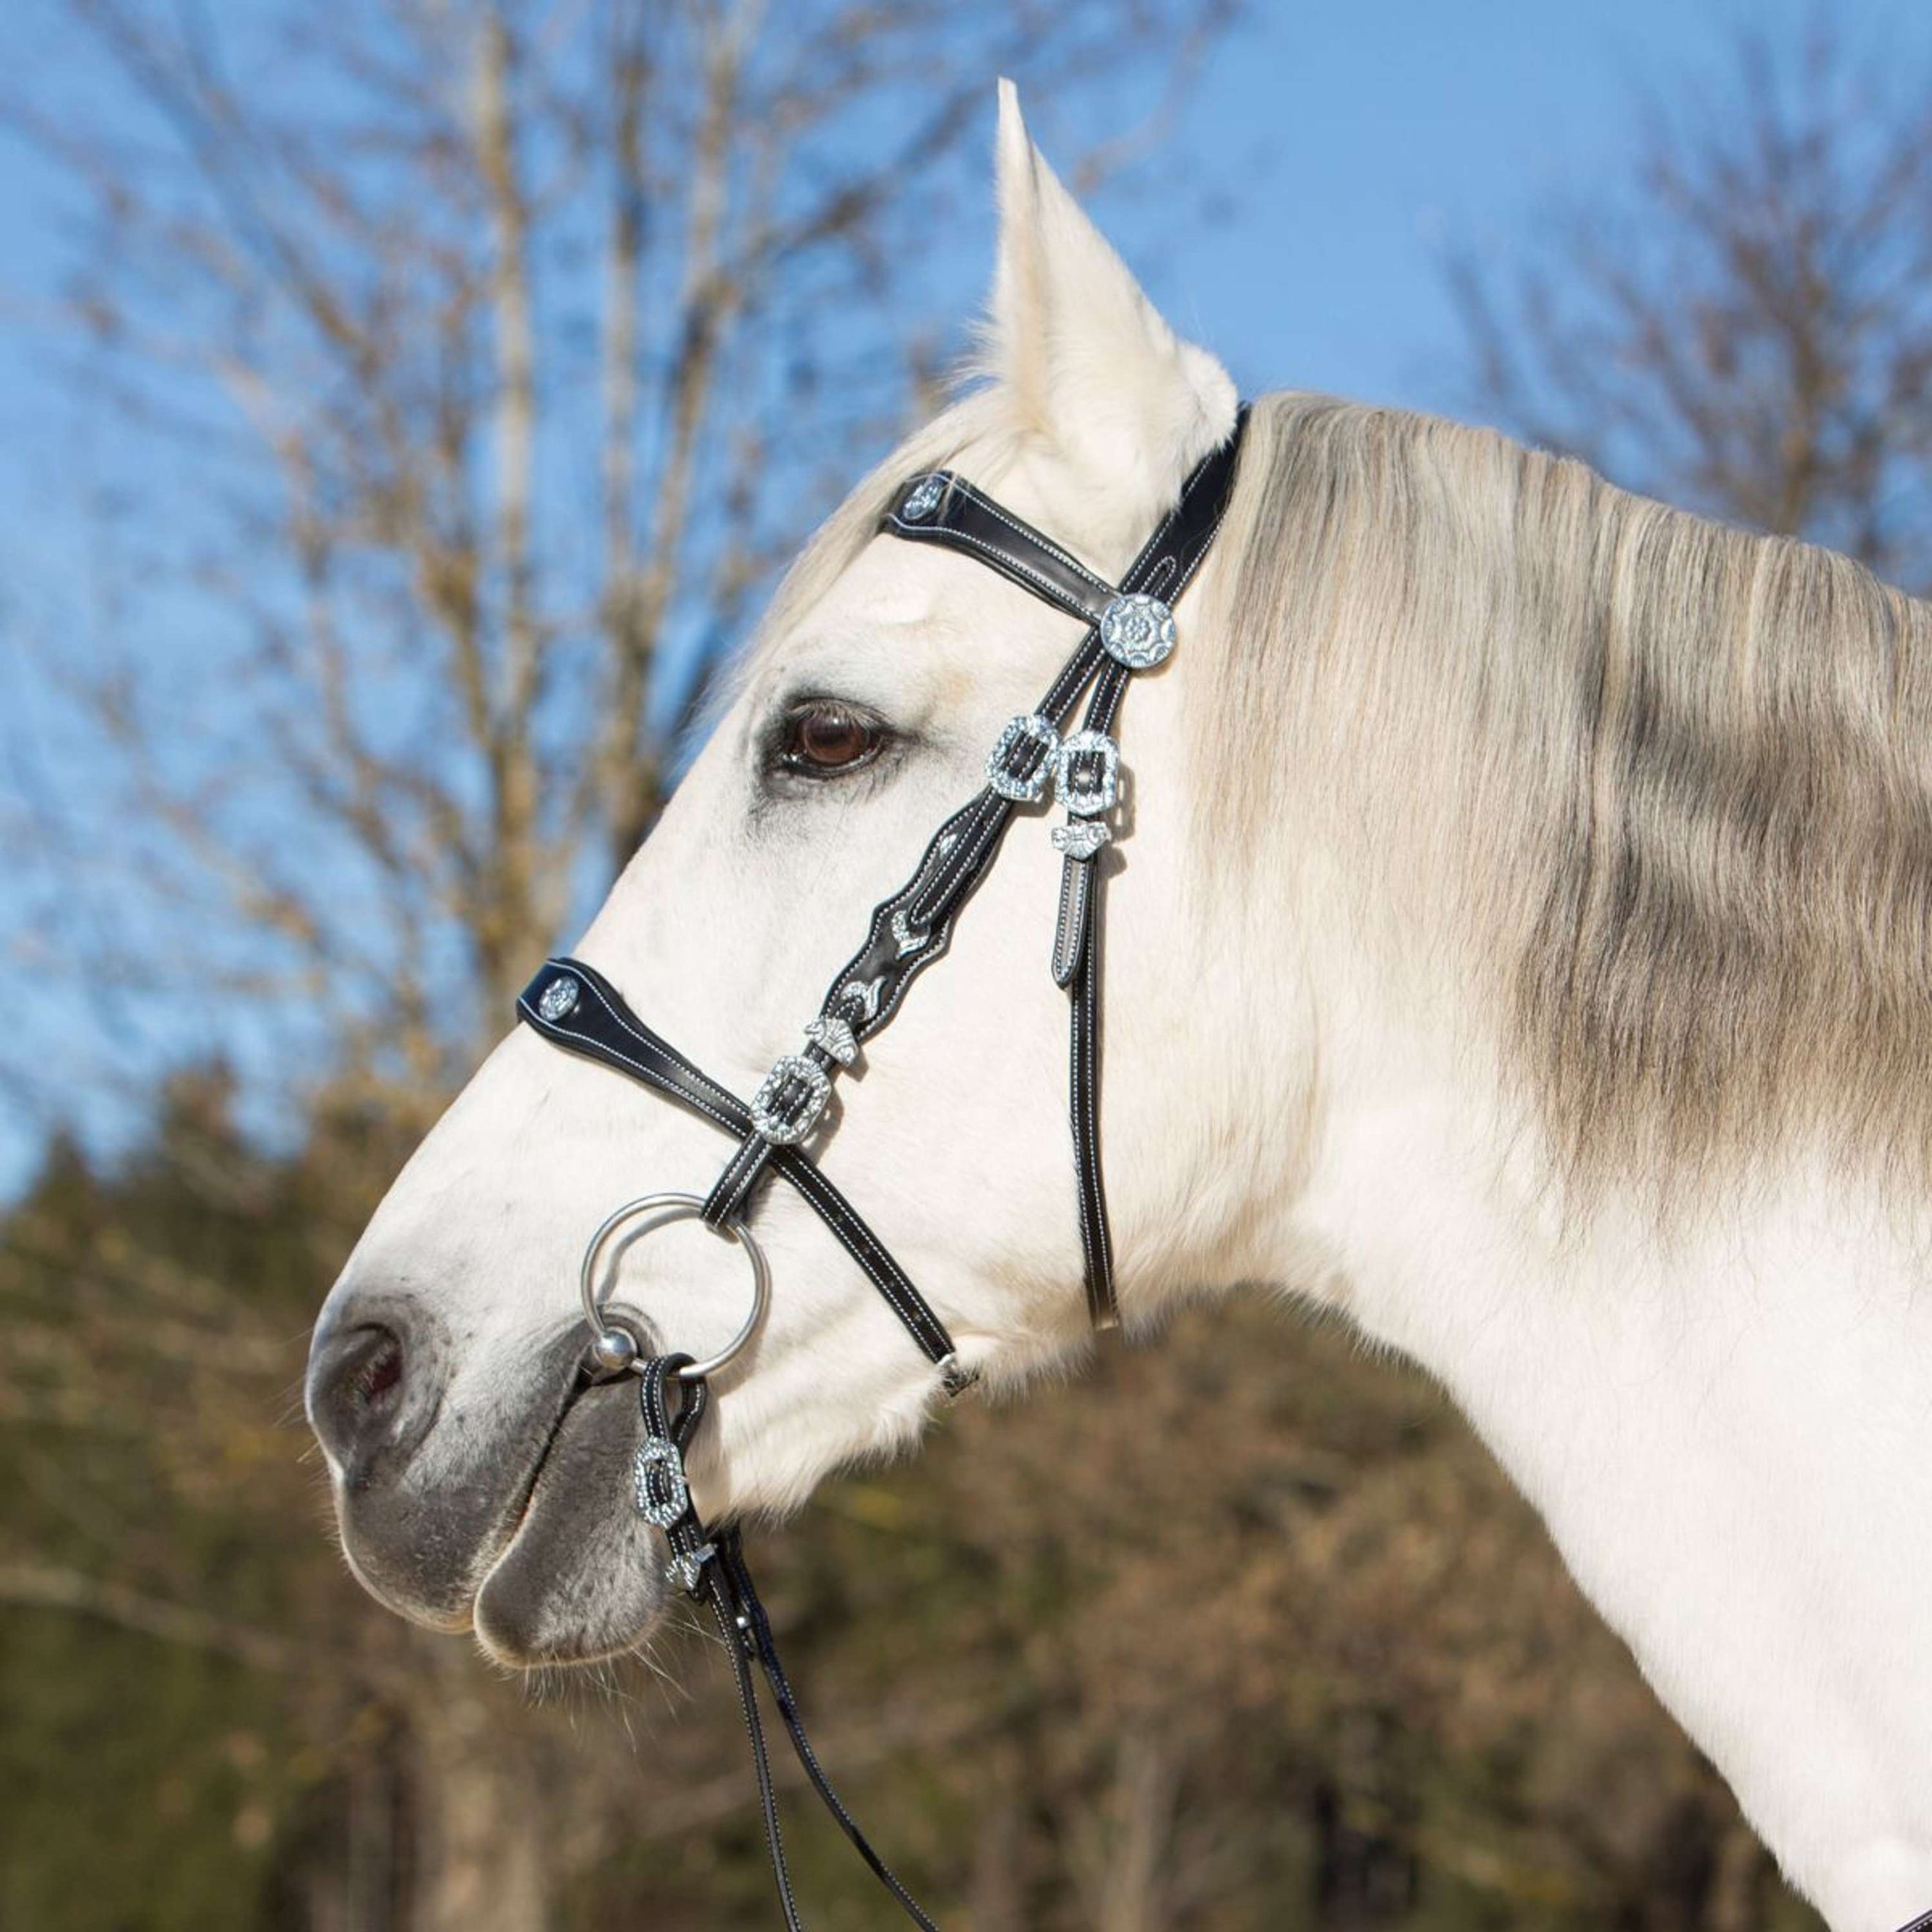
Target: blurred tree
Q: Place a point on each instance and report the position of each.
(469, 368)
(1743, 325)
(189, 1671)
(466, 369)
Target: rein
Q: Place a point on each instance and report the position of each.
(1129, 628)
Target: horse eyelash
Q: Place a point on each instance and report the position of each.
(771, 757)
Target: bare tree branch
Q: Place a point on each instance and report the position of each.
(43, 1586)
(1751, 332)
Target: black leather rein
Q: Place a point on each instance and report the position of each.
(1128, 628)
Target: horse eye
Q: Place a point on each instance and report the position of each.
(822, 738)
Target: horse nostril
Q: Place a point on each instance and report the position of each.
(382, 1372)
(355, 1387)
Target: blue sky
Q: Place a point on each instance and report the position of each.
(1365, 138)
(1346, 148)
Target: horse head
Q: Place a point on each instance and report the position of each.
(476, 1482)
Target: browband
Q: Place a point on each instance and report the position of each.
(1128, 628)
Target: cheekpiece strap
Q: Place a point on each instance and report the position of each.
(1130, 629)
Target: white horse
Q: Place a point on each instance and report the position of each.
(1521, 941)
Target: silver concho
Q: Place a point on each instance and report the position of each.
(659, 1510)
(1082, 838)
(1137, 631)
(560, 997)
(924, 500)
(1085, 790)
(785, 1129)
(836, 1035)
(1034, 730)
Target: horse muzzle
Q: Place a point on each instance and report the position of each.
(501, 1508)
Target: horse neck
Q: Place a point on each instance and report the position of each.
(1724, 1427)
(1722, 1420)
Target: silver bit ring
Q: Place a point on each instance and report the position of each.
(669, 1207)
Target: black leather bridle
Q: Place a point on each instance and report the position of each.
(1127, 629)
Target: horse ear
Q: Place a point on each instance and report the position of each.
(1087, 361)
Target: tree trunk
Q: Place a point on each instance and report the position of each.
(1367, 1867)
(481, 1856)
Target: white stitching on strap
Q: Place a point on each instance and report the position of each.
(704, 1080)
(839, 1216)
(1046, 543)
(1053, 593)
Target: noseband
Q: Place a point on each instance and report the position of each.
(1128, 629)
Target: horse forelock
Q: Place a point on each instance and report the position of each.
(1660, 789)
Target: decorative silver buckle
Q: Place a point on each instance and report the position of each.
(1082, 838)
(655, 1455)
(1090, 773)
(1024, 789)
(686, 1572)
(834, 1034)
(790, 1099)
(1137, 630)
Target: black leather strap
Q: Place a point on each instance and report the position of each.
(729, 1190)
(714, 1572)
(940, 507)
(598, 1024)
(732, 1581)
(1082, 946)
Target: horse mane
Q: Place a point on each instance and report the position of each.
(1665, 786)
